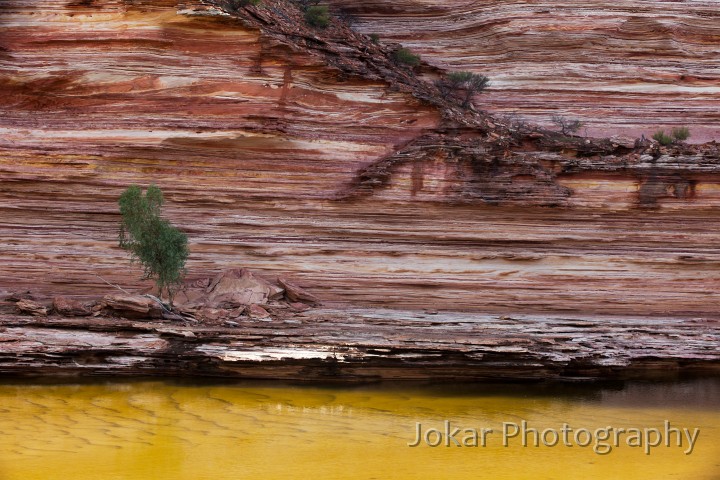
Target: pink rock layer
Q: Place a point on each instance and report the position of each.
(628, 67)
(256, 144)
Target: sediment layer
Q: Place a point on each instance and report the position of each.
(365, 345)
(308, 154)
(619, 66)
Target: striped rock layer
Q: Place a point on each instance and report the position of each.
(617, 65)
(309, 154)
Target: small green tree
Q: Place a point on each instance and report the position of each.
(305, 4)
(235, 5)
(318, 16)
(567, 126)
(151, 240)
(471, 83)
(405, 56)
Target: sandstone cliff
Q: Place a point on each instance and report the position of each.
(303, 152)
(618, 65)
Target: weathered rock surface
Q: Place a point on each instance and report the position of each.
(31, 308)
(619, 66)
(241, 287)
(296, 294)
(70, 307)
(361, 345)
(257, 311)
(259, 146)
(306, 153)
(132, 306)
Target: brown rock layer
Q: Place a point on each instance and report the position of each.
(363, 345)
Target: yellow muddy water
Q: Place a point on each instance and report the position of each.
(158, 430)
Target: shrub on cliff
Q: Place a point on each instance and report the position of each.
(151, 240)
(305, 4)
(681, 133)
(463, 84)
(234, 5)
(662, 138)
(317, 16)
(404, 56)
(567, 126)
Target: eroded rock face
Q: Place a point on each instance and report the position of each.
(132, 306)
(366, 345)
(70, 307)
(241, 287)
(297, 294)
(258, 312)
(29, 307)
(618, 67)
(227, 296)
(221, 118)
(346, 174)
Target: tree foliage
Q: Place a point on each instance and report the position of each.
(305, 4)
(678, 134)
(151, 240)
(455, 83)
(567, 126)
(317, 16)
(662, 138)
(405, 56)
(235, 5)
(681, 133)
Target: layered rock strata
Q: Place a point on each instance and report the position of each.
(618, 66)
(306, 152)
(363, 345)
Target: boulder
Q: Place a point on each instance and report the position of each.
(623, 141)
(69, 307)
(133, 306)
(191, 296)
(29, 307)
(216, 315)
(229, 302)
(237, 287)
(298, 294)
(256, 311)
(211, 314)
(17, 296)
(299, 307)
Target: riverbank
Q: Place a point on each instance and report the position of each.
(365, 345)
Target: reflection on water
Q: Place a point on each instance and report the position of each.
(154, 430)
